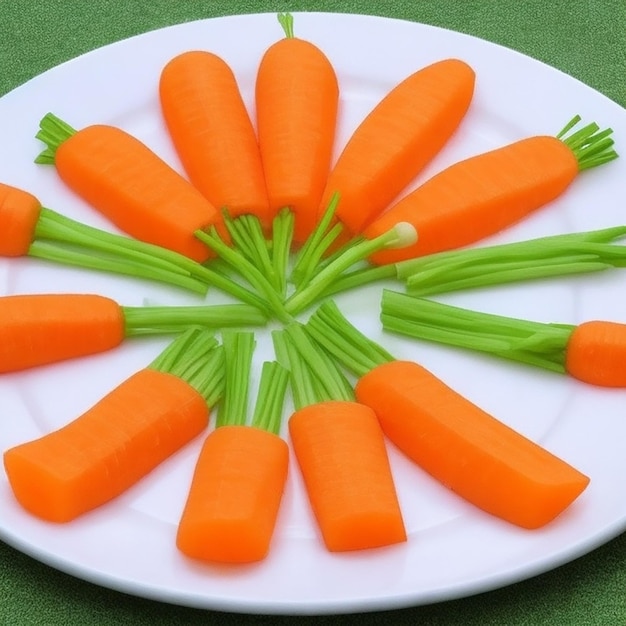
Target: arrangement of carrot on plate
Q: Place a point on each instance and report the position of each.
(264, 215)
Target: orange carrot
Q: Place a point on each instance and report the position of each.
(121, 438)
(343, 459)
(596, 353)
(38, 329)
(593, 352)
(239, 478)
(396, 140)
(130, 184)
(297, 98)
(19, 213)
(466, 449)
(213, 134)
(341, 453)
(484, 194)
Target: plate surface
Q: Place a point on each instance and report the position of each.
(453, 550)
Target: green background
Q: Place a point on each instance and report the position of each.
(586, 39)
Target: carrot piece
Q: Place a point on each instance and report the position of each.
(396, 140)
(341, 452)
(343, 459)
(238, 482)
(486, 193)
(297, 97)
(37, 329)
(596, 353)
(19, 213)
(468, 450)
(213, 133)
(235, 495)
(129, 184)
(107, 449)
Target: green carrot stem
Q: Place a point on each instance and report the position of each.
(282, 237)
(303, 391)
(590, 145)
(286, 21)
(53, 131)
(238, 350)
(149, 320)
(316, 244)
(327, 379)
(400, 235)
(534, 343)
(251, 273)
(269, 405)
(358, 278)
(196, 358)
(52, 251)
(349, 346)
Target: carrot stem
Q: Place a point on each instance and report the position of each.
(282, 237)
(196, 358)
(398, 236)
(349, 346)
(147, 320)
(302, 388)
(286, 21)
(590, 145)
(53, 131)
(273, 385)
(534, 343)
(238, 350)
(360, 277)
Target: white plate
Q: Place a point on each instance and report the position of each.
(453, 550)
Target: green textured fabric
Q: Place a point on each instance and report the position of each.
(583, 38)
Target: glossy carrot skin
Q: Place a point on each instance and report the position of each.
(479, 196)
(38, 329)
(213, 134)
(297, 97)
(19, 212)
(596, 353)
(397, 139)
(468, 450)
(133, 187)
(235, 496)
(107, 449)
(341, 452)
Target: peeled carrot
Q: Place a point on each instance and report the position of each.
(341, 452)
(107, 449)
(486, 193)
(396, 140)
(130, 184)
(593, 352)
(238, 482)
(344, 463)
(19, 213)
(466, 449)
(296, 96)
(38, 329)
(213, 134)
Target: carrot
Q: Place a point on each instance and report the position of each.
(19, 213)
(238, 482)
(486, 193)
(296, 97)
(137, 425)
(129, 184)
(38, 329)
(396, 140)
(459, 444)
(340, 451)
(213, 133)
(593, 352)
